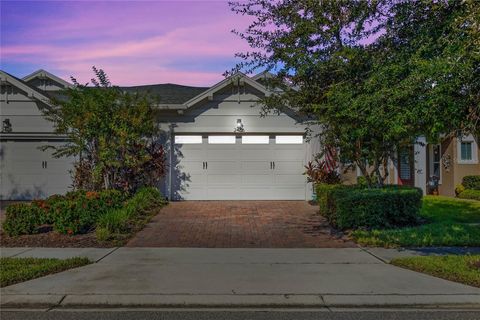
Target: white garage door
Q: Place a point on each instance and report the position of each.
(239, 168)
(28, 173)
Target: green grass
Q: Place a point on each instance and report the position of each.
(14, 270)
(463, 269)
(449, 222)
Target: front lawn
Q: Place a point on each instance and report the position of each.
(449, 222)
(463, 269)
(14, 270)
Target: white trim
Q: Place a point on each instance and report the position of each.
(42, 74)
(420, 158)
(471, 139)
(238, 79)
(430, 155)
(6, 78)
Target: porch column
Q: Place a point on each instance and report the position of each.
(420, 163)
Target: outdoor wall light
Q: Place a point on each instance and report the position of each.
(239, 127)
(7, 126)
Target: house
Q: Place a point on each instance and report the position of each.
(219, 147)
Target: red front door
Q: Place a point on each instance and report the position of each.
(406, 175)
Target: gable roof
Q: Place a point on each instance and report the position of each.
(22, 85)
(42, 74)
(238, 78)
(168, 93)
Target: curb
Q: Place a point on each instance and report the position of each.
(240, 301)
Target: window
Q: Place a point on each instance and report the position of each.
(467, 150)
(188, 139)
(435, 158)
(221, 139)
(289, 139)
(255, 139)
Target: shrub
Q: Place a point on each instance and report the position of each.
(387, 207)
(22, 218)
(470, 194)
(324, 192)
(459, 188)
(133, 214)
(471, 182)
(81, 210)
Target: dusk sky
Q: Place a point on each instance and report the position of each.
(135, 42)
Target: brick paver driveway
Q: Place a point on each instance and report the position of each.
(239, 224)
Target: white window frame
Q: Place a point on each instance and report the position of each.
(222, 139)
(431, 156)
(188, 139)
(251, 140)
(290, 139)
(474, 145)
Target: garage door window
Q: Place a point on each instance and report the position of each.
(289, 139)
(221, 139)
(188, 139)
(255, 139)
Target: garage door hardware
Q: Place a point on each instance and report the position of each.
(44, 164)
(205, 165)
(272, 165)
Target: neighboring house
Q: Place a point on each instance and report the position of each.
(219, 147)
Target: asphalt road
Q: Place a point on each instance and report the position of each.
(244, 315)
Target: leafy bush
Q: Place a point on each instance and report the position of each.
(324, 192)
(459, 188)
(81, 210)
(471, 182)
(22, 218)
(317, 171)
(132, 215)
(357, 207)
(470, 194)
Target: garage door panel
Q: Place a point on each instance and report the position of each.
(291, 167)
(190, 153)
(288, 154)
(191, 166)
(25, 167)
(289, 179)
(256, 166)
(288, 193)
(227, 179)
(260, 154)
(257, 179)
(193, 193)
(221, 193)
(227, 167)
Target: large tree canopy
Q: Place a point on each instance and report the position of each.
(374, 74)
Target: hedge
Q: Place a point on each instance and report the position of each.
(21, 218)
(351, 207)
(470, 194)
(471, 182)
(73, 213)
(323, 193)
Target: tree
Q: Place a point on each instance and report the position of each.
(374, 74)
(112, 134)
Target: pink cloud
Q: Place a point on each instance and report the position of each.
(135, 42)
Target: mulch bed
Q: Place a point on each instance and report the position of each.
(54, 239)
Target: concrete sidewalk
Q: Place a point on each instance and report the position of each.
(186, 277)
